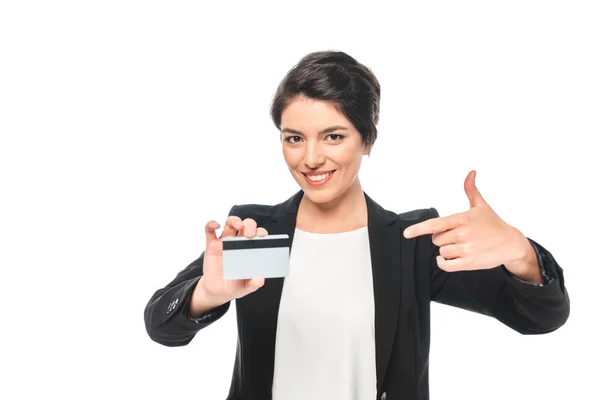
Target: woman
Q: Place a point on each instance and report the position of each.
(351, 321)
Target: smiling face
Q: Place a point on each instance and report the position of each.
(321, 147)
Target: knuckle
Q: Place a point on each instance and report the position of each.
(467, 248)
(232, 219)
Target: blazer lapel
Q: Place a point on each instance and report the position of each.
(262, 307)
(384, 242)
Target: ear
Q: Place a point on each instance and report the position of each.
(367, 150)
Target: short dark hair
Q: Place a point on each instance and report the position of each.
(337, 77)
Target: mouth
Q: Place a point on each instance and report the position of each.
(318, 180)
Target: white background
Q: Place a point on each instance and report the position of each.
(126, 126)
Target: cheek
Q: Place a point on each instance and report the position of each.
(350, 160)
(291, 159)
(287, 156)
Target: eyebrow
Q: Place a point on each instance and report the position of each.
(326, 130)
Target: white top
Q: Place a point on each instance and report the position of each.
(325, 343)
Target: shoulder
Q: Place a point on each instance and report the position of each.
(402, 218)
(252, 210)
(417, 215)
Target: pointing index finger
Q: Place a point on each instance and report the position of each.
(430, 226)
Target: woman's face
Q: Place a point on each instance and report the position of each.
(317, 139)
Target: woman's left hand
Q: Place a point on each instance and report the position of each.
(475, 239)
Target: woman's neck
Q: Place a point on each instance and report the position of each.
(346, 212)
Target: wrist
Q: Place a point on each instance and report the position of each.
(201, 302)
(526, 266)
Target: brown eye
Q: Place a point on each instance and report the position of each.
(287, 139)
(336, 137)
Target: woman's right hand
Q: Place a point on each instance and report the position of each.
(212, 289)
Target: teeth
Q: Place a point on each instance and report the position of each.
(317, 178)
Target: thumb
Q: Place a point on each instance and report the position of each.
(475, 197)
(254, 284)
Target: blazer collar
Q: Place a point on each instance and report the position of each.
(384, 242)
(288, 210)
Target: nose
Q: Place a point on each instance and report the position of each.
(314, 156)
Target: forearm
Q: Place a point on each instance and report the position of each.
(167, 316)
(525, 307)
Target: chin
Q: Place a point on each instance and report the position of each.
(319, 196)
(316, 197)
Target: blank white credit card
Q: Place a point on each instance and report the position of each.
(257, 257)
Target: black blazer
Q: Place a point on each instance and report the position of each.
(406, 279)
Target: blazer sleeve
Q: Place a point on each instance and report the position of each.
(167, 312)
(526, 308)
